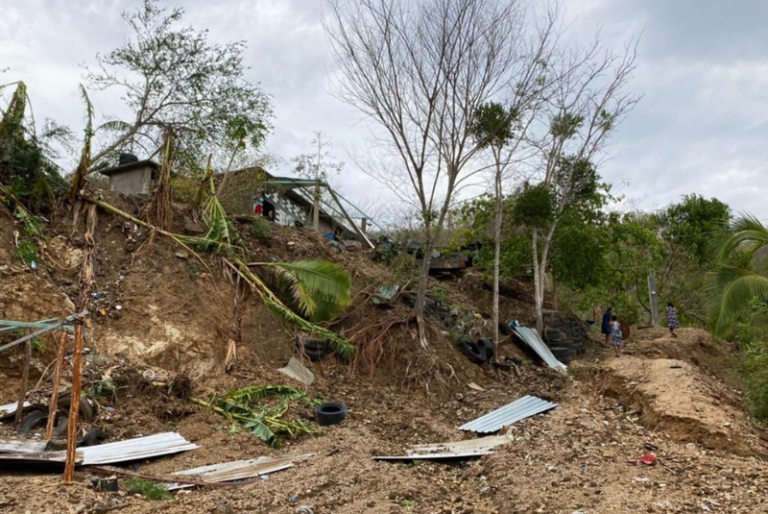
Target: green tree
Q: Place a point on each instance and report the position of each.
(173, 77)
(493, 128)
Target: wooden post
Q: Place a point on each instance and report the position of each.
(24, 382)
(359, 232)
(56, 383)
(77, 364)
(316, 208)
(654, 300)
(364, 225)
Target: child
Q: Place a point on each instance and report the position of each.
(616, 335)
(672, 321)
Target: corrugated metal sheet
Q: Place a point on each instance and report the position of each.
(240, 470)
(532, 339)
(122, 451)
(22, 446)
(136, 449)
(451, 450)
(10, 408)
(297, 371)
(38, 458)
(522, 408)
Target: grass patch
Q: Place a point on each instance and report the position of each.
(150, 490)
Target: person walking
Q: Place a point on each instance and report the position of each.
(672, 322)
(605, 326)
(616, 335)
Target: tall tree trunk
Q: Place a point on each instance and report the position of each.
(497, 262)
(540, 273)
(421, 296)
(538, 289)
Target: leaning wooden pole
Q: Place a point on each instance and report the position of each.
(24, 382)
(77, 364)
(53, 407)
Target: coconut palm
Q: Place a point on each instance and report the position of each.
(739, 278)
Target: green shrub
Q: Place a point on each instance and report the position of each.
(149, 490)
(261, 228)
(755, 373)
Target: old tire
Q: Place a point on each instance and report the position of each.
(330, 413)
(32, 420)
(313, 348)
(553, 335)
(562, 354)
(487, 345)
(86, 409)
(474, 352)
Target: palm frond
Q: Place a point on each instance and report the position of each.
(746, 234)
(732, 291)
(115, 126)
(316, 283)
(338, 343)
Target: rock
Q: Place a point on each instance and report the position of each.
(100, 508)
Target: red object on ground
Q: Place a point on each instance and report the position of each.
(648, 459)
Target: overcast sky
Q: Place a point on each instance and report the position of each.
(702, 126)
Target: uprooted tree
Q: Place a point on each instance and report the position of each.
(172, 77)
(421, 70)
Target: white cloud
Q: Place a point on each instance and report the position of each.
(701, 127)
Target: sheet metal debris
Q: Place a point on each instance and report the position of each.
(452, 450)
(520, 409)
(45, 329)
(111, 453)
(239, 470)
(297, 371)
(532, 339)
(140, 448)
(22, 446)
(10, 409)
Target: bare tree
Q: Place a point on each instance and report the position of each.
(420, 70)
(583, 107)
(317, 166)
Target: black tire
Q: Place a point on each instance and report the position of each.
(86, 410)
(473, 351)
(562, 354)
(330, 413)
(487, 345)
(31, 420)
(554, 335)
(314, 349)
(61, 425)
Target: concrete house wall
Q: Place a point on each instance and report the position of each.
(137, 181)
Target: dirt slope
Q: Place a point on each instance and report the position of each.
(177, 314)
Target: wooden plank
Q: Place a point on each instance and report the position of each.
(359, 232)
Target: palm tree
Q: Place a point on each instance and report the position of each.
(738, 279)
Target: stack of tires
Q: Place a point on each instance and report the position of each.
(566, 338)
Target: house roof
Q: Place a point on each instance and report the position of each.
(115, 170)
(287, 187)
